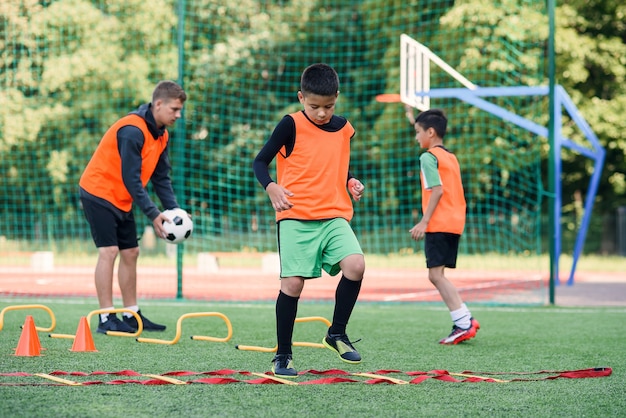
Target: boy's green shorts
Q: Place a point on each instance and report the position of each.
(307, 247)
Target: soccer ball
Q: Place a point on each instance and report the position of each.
(180, 228)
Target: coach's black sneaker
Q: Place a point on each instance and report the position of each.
(147, 324)
(113, 323)
(340, 344)
(282, 366)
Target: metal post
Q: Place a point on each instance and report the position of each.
(179, 142)
(552, 177)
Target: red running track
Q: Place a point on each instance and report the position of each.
(250, 284)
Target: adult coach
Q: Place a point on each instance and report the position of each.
(133, 151)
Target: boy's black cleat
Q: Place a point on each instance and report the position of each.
(113, 323)
(147, 324)
(282, 366)
(340, 344)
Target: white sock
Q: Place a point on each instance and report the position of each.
(461, 317)
(105, 316)
(133, 308)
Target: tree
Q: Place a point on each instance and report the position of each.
(591, 65)
(67, 58)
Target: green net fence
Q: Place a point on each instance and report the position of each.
(70, 68)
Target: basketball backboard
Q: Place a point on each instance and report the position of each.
(415, 62)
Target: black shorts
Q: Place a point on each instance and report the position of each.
(110, 227)
(441, 249)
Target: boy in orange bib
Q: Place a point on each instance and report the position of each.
(443, 220)
(311, 198)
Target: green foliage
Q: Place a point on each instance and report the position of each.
(591, 65)
(493, 37)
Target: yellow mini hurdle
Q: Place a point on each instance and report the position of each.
(295, 343)
(179, 330)
(19, 307)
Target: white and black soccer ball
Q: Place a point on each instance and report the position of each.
(180, 228)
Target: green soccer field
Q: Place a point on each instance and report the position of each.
(400, 337)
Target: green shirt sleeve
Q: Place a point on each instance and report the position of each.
(429, 171)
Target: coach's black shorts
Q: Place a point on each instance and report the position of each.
(110, 227)
(441, 249)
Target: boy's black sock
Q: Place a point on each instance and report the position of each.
(286, 311)
(345, 298)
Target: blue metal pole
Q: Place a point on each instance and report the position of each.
(597, 154)
(591, 194)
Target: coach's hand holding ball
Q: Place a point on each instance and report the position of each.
(173, 225)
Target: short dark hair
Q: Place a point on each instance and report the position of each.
(433, 118)
(168, 90)
(320, 79)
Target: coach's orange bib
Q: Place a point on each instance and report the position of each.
(103, 175)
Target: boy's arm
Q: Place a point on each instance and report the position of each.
(283, 136)
(435, 196)
(419, 230)
(431, 184)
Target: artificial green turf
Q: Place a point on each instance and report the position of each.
(394, 336)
